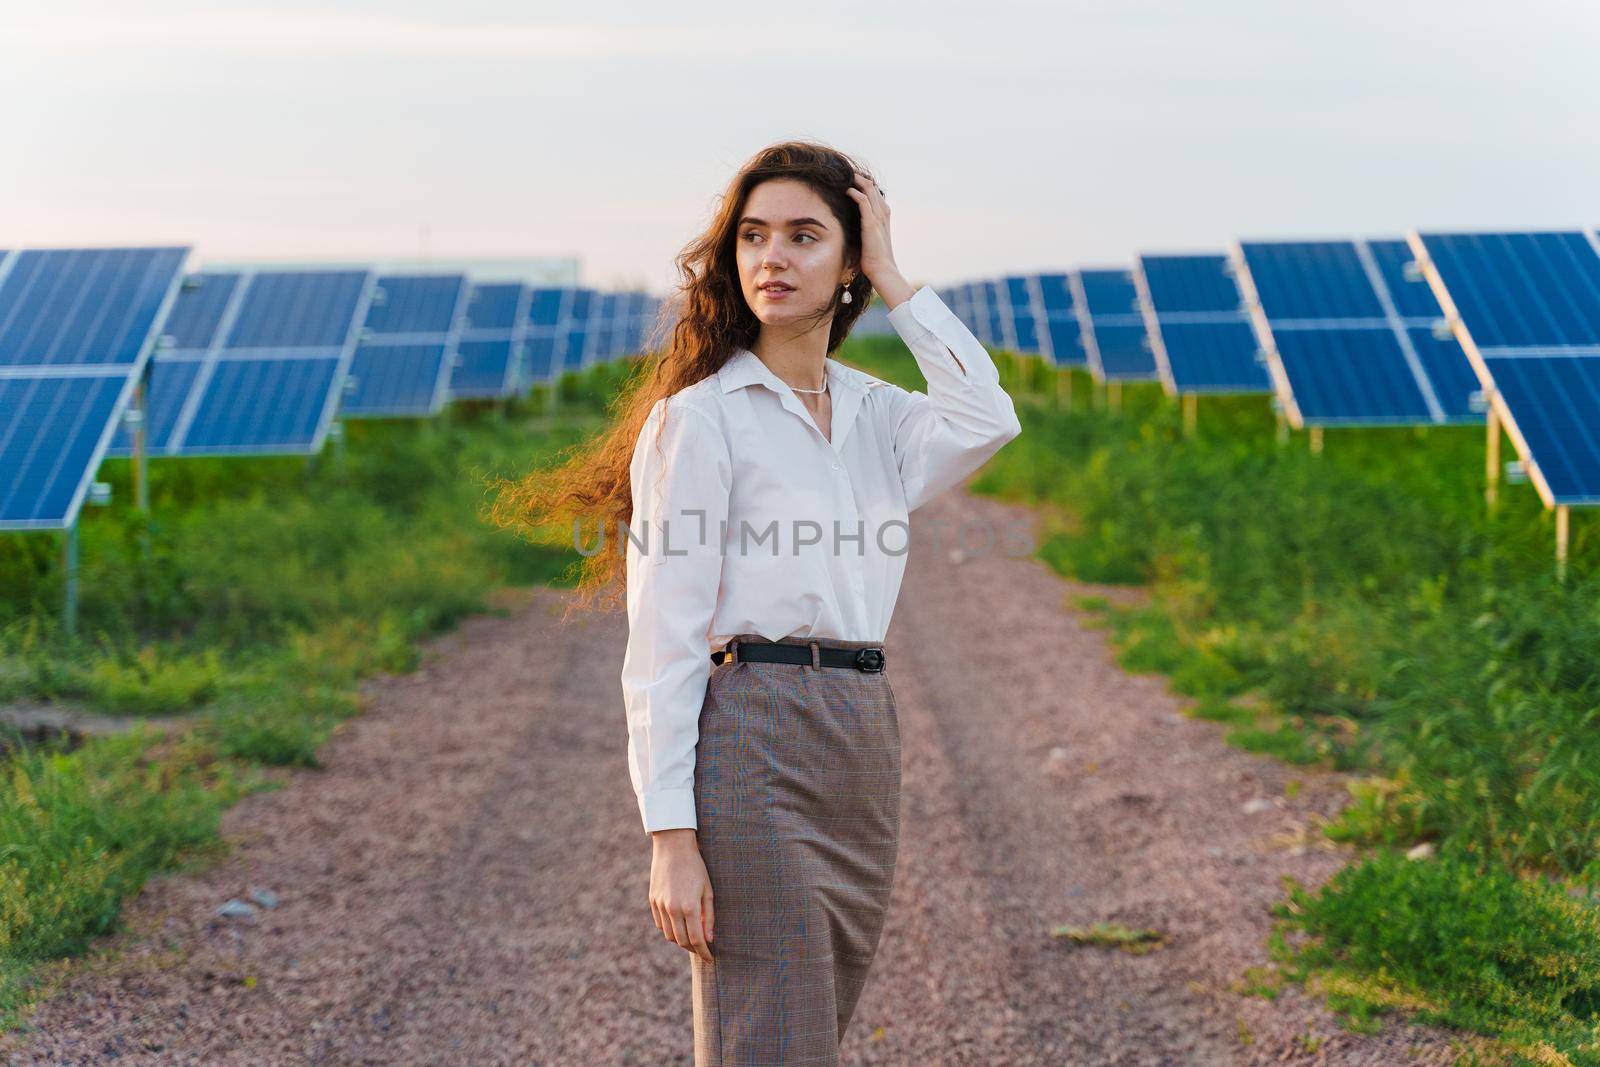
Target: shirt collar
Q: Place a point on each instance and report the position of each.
(849, 385)
(744, 368)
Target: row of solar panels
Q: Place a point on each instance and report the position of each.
(1418, 331)
(256, 362)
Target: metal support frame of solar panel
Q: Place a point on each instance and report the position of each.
(1525, 307)
(1112, 325)
(490, 350)
(77, 330)
(402, 366)
(1199, 326)
(269, 363)
(1349, 340)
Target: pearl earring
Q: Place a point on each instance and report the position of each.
(846, 298)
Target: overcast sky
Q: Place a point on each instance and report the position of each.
(1009, 135)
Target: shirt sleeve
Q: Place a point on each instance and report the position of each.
(945, 434)
(674, 568)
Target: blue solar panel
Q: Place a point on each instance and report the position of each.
(264, 406)
(486, 366)
(994, 312)
(416, 304)
(548, 321)
(1526, 306)
(545, 306)
(200, 314)
(1352, 336)
(51, 431)
(1188, 284)
(196, 315)
(574, 346)
(604, 328)
(1057, 292)
(1112, 325)
(482, 368)
(268, 322)
(1020, 317)
(1214, 357)
(83, 306)
(402, 368)
(1065, 337)
(1522, 290)
(1412, 297)
(1312, 280)
(1060, 333)
(1339, 371)
(77, 327)
(395, 380)
(539, 358)
(1109, 292)
(1555, 404)
(575, 329)
(496, 306)
(168, 385)
(299, 309)
(1123, 352)
(1204, 340)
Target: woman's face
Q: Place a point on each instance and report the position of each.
(791, 252)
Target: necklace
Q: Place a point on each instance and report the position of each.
(824, 389)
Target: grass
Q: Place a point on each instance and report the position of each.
(255, 597)
(1360, 609)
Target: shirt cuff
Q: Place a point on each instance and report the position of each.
(667, 809)
(919, 313)
(922, 316)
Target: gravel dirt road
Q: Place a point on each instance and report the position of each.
(465, 882)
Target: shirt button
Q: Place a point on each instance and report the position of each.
(835, 466)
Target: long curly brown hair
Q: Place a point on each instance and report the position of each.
(705, 322)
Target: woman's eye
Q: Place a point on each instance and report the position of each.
(751, 234)
(807, 236)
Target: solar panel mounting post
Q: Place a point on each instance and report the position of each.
(1563, 519)
(69, 571)
(1491, 486)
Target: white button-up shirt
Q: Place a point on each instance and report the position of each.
(748, 520)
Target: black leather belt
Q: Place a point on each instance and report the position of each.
(870, 660)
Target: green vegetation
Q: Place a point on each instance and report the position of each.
(1361, 608)
(252, 601)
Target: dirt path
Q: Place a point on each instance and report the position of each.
(465, 883)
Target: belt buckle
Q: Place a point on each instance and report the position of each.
(869, 659)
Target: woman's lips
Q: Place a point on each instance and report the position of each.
(777, 293)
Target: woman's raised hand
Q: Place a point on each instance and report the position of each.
(877, 251)
(680, 891)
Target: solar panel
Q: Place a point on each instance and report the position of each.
(1020, 315)
(1062, 338)
(548, 312)
(403, 364)
(1526, 309)
(573, 332)
(1198, 326)
(273, 356)
(77, 327)
(486, 363)
(994, 313)
(1350, 340)
(1112, 325)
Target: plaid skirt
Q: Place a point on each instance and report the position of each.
(797, 796)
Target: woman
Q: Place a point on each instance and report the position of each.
(768, 488)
